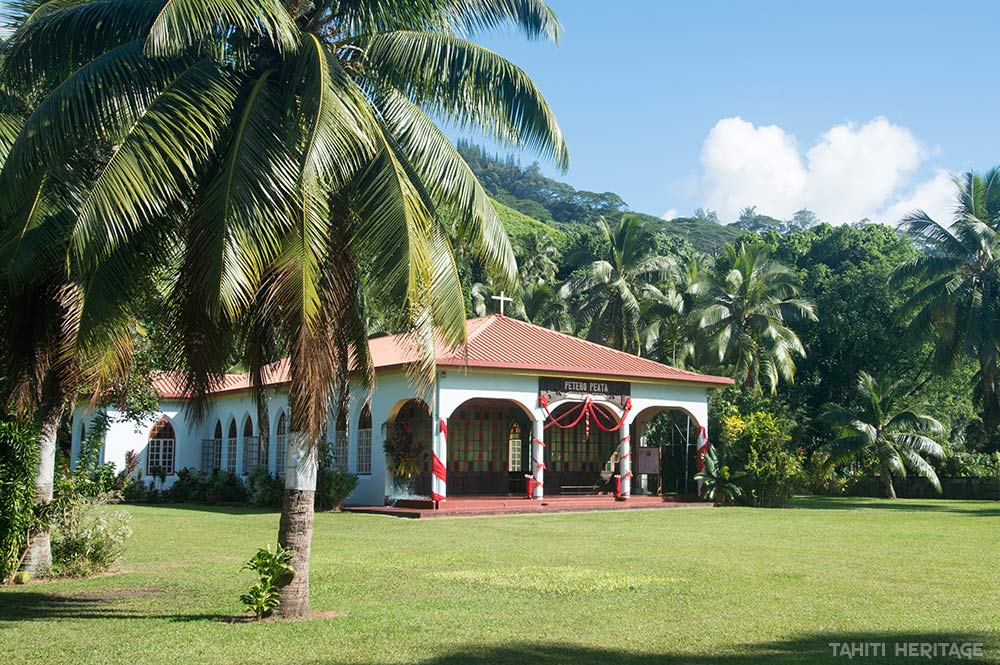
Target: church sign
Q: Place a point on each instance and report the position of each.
(556, 389)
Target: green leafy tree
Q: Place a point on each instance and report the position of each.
(278, 159)
(744, 320)
(609, 289)
(886, 430)
(957, 302)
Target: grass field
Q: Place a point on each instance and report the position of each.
(677, 586)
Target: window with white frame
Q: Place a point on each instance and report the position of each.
(160, 449)
(251, 452)
(365, 442)
(211, 451)
(281, 445)
(514, 448)
(340, 447)
(232, 446)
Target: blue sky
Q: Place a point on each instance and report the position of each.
(852, 109)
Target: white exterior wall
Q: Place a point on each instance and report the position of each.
(455, 387)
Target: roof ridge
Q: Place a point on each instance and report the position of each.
(602, 347)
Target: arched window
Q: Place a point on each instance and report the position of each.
(211, 450)
(232, 445)
(160, 449)
(281, 445)
(365, 441)
(514, 448)
(340, 440)
(251, 454)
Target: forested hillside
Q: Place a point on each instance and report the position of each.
(525, 190)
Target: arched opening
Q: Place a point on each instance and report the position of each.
(479, 448)
(365, 442)
(581, 455)
(408, 436)
(665, 449)
(211, 450)
(232, 446)
(281, 445)
(251, 447)
(160, 449)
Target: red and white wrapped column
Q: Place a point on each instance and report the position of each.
(625, 464)
(439, 462)
(537, 479)
(701, 449)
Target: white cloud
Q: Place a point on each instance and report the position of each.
(936, 197)
(849, 173)
(670, 214)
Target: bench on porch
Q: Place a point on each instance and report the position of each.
(602, 485)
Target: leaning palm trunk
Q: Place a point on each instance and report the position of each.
(890, 490)
(39, 555)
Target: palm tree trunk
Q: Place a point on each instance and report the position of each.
(39, 555)
(890, 491)
(295, 533)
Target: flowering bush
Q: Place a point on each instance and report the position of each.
(88, 541)
(756, 444)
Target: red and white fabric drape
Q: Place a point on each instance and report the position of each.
(439, 468)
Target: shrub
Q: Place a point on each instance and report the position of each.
(820, 477)
(970, 465)
(757, 445)
(333, 484)
(274, 571)
(265, 490)
(224, 487)
(18, 515)
(190, 486)
(88, 541)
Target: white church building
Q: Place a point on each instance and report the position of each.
(522, 409)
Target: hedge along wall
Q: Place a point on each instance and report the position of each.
(920, 488)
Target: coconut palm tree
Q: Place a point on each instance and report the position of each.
(51, 344)
(609, 289)
(743, 321)
(957, 299)
(279, 159)
(670, 324)
(886, 430)
(543, 305)
(538, 258)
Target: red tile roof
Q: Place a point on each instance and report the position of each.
(495, 342)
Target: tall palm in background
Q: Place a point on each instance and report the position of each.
(669, 314)
(277, 158)
(744, 317)
(957, 301)
(885, 430)
(609, 289)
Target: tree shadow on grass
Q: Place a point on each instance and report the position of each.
(224, 509)
(34, 606)
(805, 650)
(985, 508)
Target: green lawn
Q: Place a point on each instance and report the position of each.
(693, 586)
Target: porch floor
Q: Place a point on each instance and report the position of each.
(475, 506)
